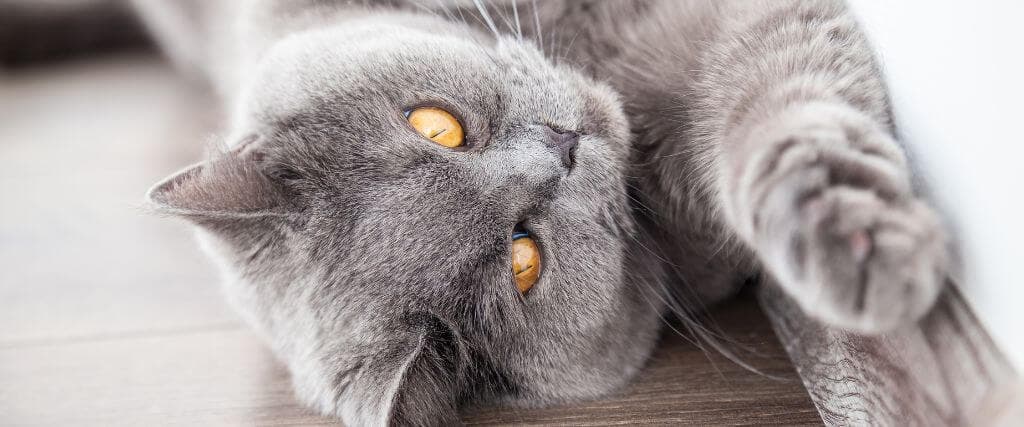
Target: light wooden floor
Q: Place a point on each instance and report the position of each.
(111, 316)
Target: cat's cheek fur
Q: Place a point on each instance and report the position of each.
(354, 372)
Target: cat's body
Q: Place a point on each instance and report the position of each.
(759, 138)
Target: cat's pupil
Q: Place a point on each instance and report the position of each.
(525, 260)
(437, 125)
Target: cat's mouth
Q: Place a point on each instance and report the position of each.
(526, 258)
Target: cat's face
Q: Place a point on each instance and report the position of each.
(370, 243)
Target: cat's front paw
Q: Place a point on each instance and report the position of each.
(830, 212)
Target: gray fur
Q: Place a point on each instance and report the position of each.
(377, 263)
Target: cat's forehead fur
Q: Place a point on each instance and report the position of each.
(414, 60)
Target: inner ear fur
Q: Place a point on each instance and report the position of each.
(231, 184)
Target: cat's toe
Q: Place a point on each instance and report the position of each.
(870, 264)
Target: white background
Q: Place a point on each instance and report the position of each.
(956, 70)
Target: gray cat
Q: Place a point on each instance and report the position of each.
(659, 153)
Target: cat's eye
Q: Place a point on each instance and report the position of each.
(525, 261)
(437, 125)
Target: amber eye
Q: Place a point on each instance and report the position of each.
(437, 125)
(525, 261)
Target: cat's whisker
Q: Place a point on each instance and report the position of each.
(505, 19)
(688, 337)
(642, 205)
(682, 301)
(694, 332)
(445, 9)
(476, 16)
(568, 48)
(680, 306)
(451, 17)
(519, 26)
(462, 16)
(487, 17)
(721, 246)
(433, 11)
(553, 44)
(537, 29)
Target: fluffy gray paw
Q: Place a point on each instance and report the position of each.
(829, 210)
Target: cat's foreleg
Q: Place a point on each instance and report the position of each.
(809, 174)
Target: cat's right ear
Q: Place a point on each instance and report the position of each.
(230, 185)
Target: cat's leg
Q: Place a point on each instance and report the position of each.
(809, 175)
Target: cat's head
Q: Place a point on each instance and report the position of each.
(378, 261)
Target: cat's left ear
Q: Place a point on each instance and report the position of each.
(230, 185)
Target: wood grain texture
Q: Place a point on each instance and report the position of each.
(111, 316)
(683, 385)
(943, 371)
(227, 377)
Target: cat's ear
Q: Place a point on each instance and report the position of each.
(231, 184)
(414, 381)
